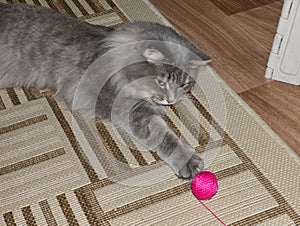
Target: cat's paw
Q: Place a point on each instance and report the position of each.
(190, 170)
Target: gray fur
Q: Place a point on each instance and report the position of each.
(42, 48)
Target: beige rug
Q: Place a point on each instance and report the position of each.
(56, 168)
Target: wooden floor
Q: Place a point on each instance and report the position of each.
(238, 35)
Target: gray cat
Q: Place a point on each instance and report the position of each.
(142, 67)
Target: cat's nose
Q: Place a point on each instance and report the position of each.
(171, 100)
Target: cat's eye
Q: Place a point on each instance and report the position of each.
(161, 83)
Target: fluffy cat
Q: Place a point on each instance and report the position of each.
(42, 48)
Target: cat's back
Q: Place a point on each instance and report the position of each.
(21, 19)
(16, 16)
(39, 46)
(24, 13)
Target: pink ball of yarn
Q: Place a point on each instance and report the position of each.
(204, 185)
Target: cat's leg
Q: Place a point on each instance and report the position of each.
(181, 157)
(152, 131)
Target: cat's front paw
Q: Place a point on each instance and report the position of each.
(190, 170)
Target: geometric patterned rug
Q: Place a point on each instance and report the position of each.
(57, 168)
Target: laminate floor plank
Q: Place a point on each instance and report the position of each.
(235, 6)
(261, 22)
(236, 56)
(279, 105)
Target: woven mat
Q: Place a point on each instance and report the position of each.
(56, 168)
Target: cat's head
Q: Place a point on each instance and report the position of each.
(170, 81)
(159, 52)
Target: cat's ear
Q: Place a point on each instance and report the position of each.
(202, 58)
(205, 59)
(153, 55)
(197, 63)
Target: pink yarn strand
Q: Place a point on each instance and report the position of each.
(215, 215)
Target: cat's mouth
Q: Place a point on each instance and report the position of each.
(161, 101)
